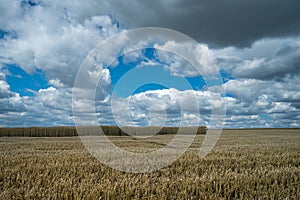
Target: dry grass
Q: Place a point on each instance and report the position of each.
(257, 164)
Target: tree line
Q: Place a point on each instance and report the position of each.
(70, 131)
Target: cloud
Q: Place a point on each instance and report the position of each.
(56, 82)
(51, 39)
(249, 89)
(49, 107)
(10, 102)
(278, 67)
(276, 59)
(169, 107)
(198, 62)
(4, 87)
(276, 103)
(13, 104)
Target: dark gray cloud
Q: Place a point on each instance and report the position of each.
(219, 22)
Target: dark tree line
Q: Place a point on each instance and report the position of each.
(70, 131)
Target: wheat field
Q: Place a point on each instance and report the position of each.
(245, 164)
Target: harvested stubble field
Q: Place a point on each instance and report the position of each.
(245, 164)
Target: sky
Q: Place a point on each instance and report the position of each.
(252, 47)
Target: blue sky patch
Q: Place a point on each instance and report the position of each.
(7, 34)
(152, 78)
(226, 76)
(28, 3)
(149, 86)
(23, 83)
(143, 78)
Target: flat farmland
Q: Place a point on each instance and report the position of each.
(244, 164)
